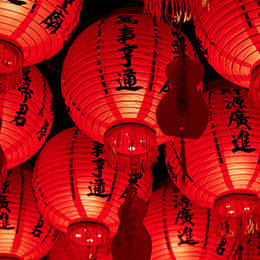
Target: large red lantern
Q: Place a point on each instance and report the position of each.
(78, 193)
(228, 33)
(24, 233)
(58, 251)
(180, 229)
(26, 113)
(222, 166)
(113, 79)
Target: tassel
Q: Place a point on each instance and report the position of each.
(173, 10)
(130, 146)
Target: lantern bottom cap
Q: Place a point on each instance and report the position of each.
(86, 240)
(237, 213)
(11, 62)
(130, 146)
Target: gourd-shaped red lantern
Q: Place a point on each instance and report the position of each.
(24, 233)
(228, 33)
(222, 166)
(32, 31)
(78, 193)
(182, 230)
(27, 115)
(58, 251)
(113, 79)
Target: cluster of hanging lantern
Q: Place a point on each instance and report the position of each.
(130, 83)
(79, 194)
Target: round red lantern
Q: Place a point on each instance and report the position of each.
(27, 115)
(113, 78)
(33, 31)
(58, 251)
(78, 193)
(222, 165)
(24, 233)
(229, 36)
(180, 229)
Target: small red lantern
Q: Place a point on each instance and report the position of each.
(222, 166)
(78, 193)
(182, 230)
(113, 79)
(58, 251)
(27, 116)
(229, 37)
(24, 233)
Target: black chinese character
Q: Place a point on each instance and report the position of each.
(126, 33)
(99, 188)
(166, 87)
(129, 79)
(97, 149)
(26, 92)
(4, 203)
(20, 119)
(243, 136)
(100, 162)
(5, 221)
(237, 102)
(36, 231)
(126, 19)
(127, 49)
(187, 234)
(134, 179)
(184, 216)
(43, 130)
(175, 46)
(221, 248)
(181, 201)
(239, 117)
(54, 21)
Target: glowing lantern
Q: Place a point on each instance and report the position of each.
(113, 79)
(79, 194)
(33, 31)
(229, 37)
(58, 251)
(222, 166)
(24, 234)
(27, 116)
(182, 230)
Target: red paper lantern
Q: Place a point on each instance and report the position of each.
(182, 230)
(222, 166)
(58, 251)
(38, 29)
(113, 79)
(27, 116)
(229, 37)
(33, 31)
(78, 193)
(24, 233)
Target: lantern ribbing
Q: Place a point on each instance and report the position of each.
(24, 233)
(223, 164)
